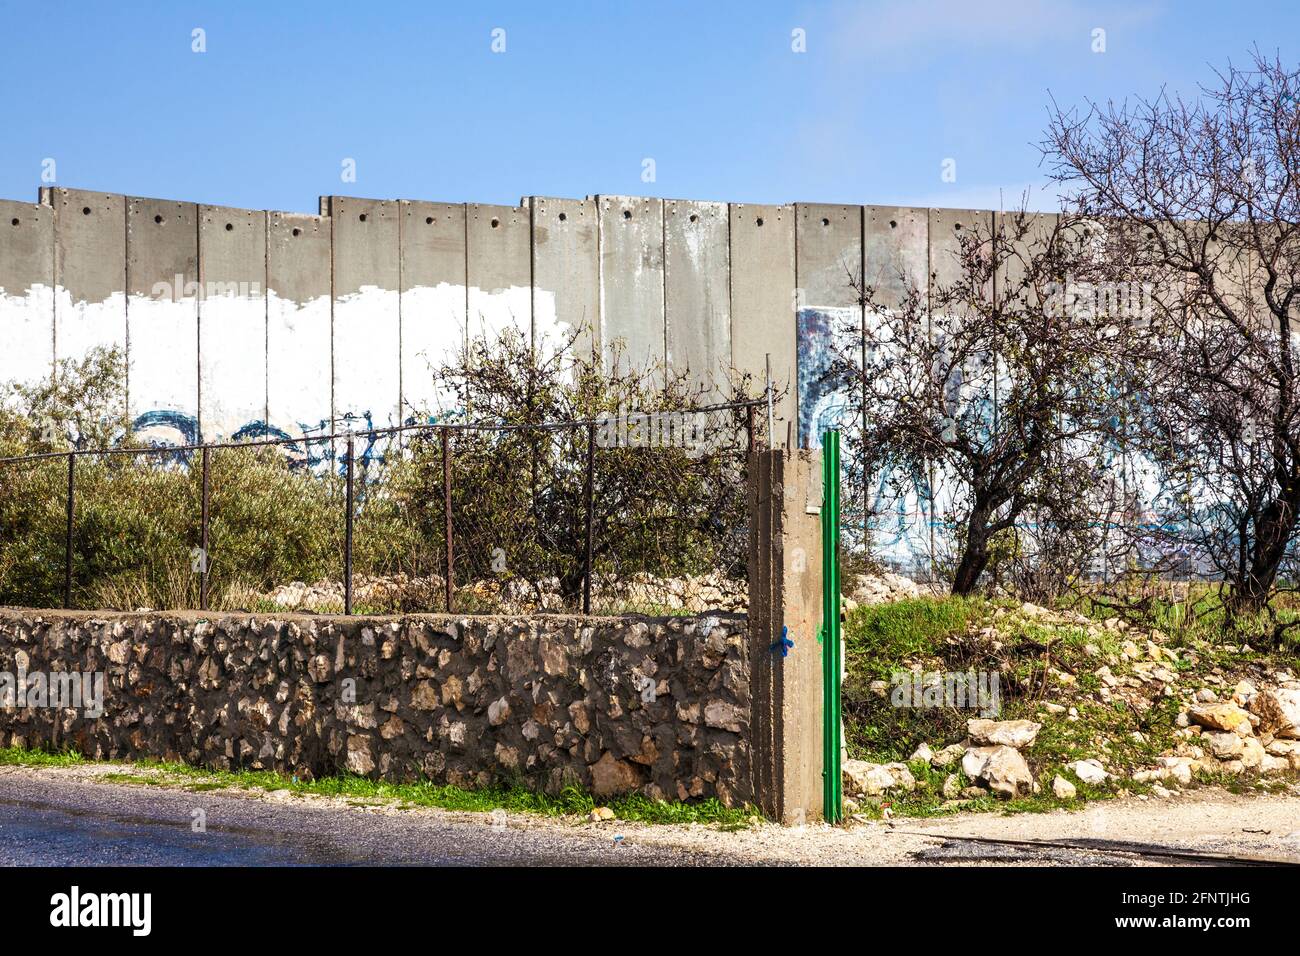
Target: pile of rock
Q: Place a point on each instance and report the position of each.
(885, 587)
(638, 592)
(393, 590)
(711, 591)
(1253, 730)
(990, 758)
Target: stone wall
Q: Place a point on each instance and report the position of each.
(655, 705)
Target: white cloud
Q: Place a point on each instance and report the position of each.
(897, 32)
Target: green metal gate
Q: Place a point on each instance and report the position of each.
(832, 666)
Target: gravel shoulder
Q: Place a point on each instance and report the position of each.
(72, 815)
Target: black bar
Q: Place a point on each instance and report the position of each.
(347, 537)
(203, 538)
(449, 562)
(591, 470)
(749, 427)
(67, 541)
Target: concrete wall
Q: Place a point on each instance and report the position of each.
(658, 706)
(243, 323)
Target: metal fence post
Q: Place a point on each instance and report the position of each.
(347, 535)
(449, 560)
(749, 428)
(67, 541)
(203, 538)
(832, 795)
(591, 530)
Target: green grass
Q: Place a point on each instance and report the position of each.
(16, 756)
(879, 636)
(572, 801)
(956, 634)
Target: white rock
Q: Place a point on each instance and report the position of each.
(1090, 771)
(1180, 768)
(922, 752)
(1222, 744)
(972, 762)
(948, 755)
(1006, 773)
(1006, 733)
(1063, 789)
(1252, 753)
(863, 778)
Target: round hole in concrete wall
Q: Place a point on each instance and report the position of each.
(85, 210)
(564, 216)
(758, 221)
(627, 213)
(826, 222)
(229, 227)
(13, 222)
(297, 232)
(893, 224)
(158, 219)
(694, 218)
(362, 217)
(428, 220)
(495, 222)
(956, 226)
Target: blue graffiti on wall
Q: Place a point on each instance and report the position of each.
(312, 448)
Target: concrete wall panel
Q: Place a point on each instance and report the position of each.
(232, 322)
(26, 291)
(566, 271)
(632, 279)
(763, 303)
(946, 229)
(162, 312)
(433, 302)
(367, 323)
(298, 372)
(697, 294)
(498, 270)
(828, 251)
(89, 273)
(1011, 274)
(896, 264)
(896, 252)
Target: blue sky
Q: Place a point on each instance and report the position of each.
(582, 95)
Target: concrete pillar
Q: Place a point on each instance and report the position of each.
(785, 592)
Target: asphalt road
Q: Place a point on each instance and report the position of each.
(62, 822)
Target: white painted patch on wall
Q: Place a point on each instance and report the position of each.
(298, 365)
(232, 355)
(492, 311)
(26, 333)
(433, 331)
(367, 353)
(81, 326)
(163, 355)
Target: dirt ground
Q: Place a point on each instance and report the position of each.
(1212, 822)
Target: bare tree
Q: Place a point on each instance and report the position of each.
(1200, 202)
(985, 395)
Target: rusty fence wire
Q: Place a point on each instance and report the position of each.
(623, 513)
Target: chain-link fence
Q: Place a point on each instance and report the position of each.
(630, 512)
